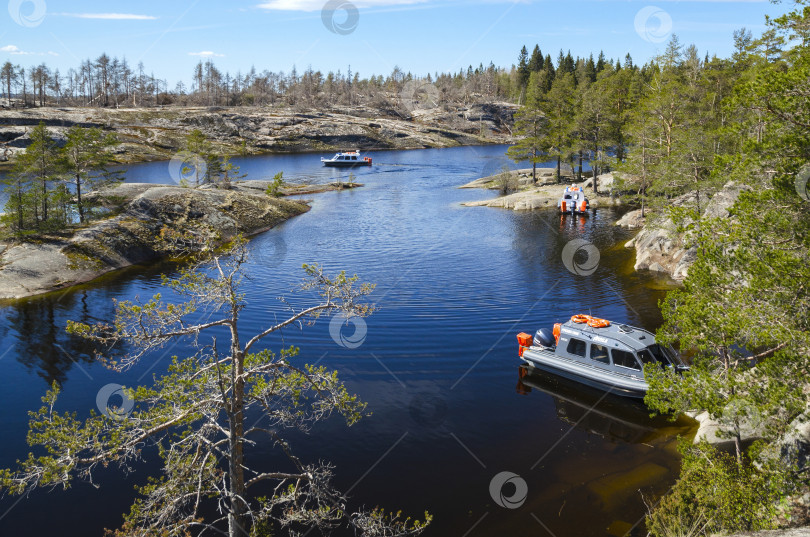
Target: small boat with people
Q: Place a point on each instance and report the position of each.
(347, 159)
(598, 353)
(574, 201)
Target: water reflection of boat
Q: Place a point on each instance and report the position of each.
(610, 416)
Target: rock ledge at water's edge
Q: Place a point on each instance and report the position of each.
(544, 194)
(659, 246)
(133, 235)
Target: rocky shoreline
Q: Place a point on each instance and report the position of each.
(659, 247)
(143, 213)
(544, 194)
(149, 134)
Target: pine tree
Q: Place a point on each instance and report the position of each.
(86, 158)
(202, 149)
(201, 413)
(558, 108)
(592, 123)
(40, 163)
(18, 209)
(532, 127)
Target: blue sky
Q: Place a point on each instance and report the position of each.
(372, 36)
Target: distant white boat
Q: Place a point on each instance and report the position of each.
(349, 159)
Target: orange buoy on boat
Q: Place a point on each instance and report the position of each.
(524, 340)
(593, 322)
(581, 318)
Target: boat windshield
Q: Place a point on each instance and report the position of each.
(655, 354)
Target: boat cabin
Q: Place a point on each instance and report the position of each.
(625, 348)
(598, 353)
(347, 159)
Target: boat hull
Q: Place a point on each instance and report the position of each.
(585, 212)
(609, 381)
(335, 164)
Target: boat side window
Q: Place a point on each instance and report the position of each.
(599, 353)
(625, 359)
(659, 354)
(354, 158)
(577, 347)
(646, 357)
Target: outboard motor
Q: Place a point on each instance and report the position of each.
(544, 338)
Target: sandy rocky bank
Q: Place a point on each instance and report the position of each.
(545, 194)
(133, 235)
(157, 133)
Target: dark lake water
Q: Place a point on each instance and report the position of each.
(437, 366)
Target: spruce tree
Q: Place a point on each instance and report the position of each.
(536, 61)
(523, 69)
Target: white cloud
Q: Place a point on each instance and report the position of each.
(317, 5)
(206, 54)
(109, 16)
(14, 50)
